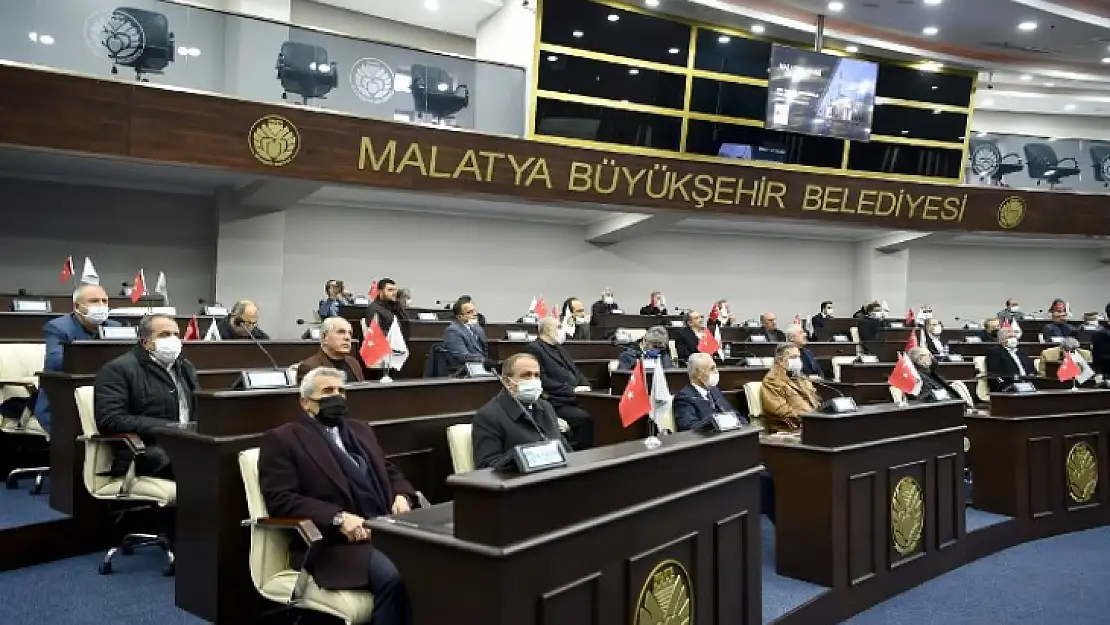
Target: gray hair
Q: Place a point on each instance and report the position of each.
(1069, 344)
(146, 325)
(547, 323)
(793, 329)
(404, 293)
(656, 336)
(696, 361)
(920, 356)
(79, 292)
(308, 384)
(686, 316)
(239, 307)
(782, 348)
(509, 366)
(331, 323)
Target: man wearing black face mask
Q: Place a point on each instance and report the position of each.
(301, 467)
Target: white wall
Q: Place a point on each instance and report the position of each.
(1041, 125)
(308, 13)
(502, 264)
(975, 281)
(121, 231)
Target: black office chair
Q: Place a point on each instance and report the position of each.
(986, 160)
(303, 69)
(138, 39)
(1044, 166)
(1100, 162)
(433, 94)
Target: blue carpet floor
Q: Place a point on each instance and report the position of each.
(19, 507)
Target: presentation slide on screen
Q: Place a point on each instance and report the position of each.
(820, 94)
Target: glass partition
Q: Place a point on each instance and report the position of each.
(165, 43)
(1031, 162)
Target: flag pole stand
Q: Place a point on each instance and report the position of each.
(652, 441)
(385, 374)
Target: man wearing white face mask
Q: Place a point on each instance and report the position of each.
(90, 311)
(786, 394)
(699, 400)
(515, 416)
(604, 306)
(149, 387)
(1007, 362)
(562, 381)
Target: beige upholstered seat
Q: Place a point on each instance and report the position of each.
(614, 365)
(674, 350)
(461, 447)
(99, 452)
(270, 568)
(854, 333)
(839, 361)
(982, 388)
(755, 402)
(965, 394)
(19, 364)
(897, 395)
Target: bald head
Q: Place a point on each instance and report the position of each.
(768, 321)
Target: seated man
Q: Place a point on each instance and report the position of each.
(698, 401)
(388, 309)
(652, 345)
(926, 364)
(819, 321)
(515, 416)
(329, 468)
(1059, 329)
(562, 380)
(796, 335)
(90, 311)
(1005, 363)
(149, 387)
(1011, 311)
(603, 307)
(786, 394)
(464, 340)
(770, 328)
(657, 305)
(335, 351)
(335, 296)
(931, 338)
(1070, 345)
(241, 323)
(574, 312)
(870, 328)
(989, 333)
(687, 339)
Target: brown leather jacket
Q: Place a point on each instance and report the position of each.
(785, 400)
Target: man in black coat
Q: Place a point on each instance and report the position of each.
(562, 381)
(241, 323)
(149, 387)
(388, 310)
(515, 416)
(1100, 347)
(1006, 362)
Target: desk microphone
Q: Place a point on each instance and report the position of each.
(307, 335)
(824, 384)
(273, 362)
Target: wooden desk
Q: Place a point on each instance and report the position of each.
(732, 378)
(63, 304)
(608, 429)
(838, 487)
(1049, 463)
(18, 325)
(578, 350)
(434, 329)
(862, 392)
(858, 373)
(606, 324)
(213, 580)
(822, 350)
(971, 350)
(531, 559)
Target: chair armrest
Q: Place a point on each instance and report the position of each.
(305, 528)
(1074, 162)
(133, 442)
(28, 386)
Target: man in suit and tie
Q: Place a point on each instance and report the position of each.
(1006, 363)
(515, 416)
(90, 311)
(810, 366)
(770, 328)
(329, 468)
(562, 381)
(817, 323)
(335, 351)
(464, 340)
(698, 401)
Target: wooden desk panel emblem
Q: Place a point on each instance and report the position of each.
(907, 515)
(1082, 472)
(667, 597)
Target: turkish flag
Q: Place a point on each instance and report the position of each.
(911, 320)
(373, 295)
(139, 289)
(375, 345)
(905, 377)
(798, 320)
(709, 343)
(192, 331)
(541, 308)
(912, 341)
(716, 312)
(1068, 370)
(635, 401)
(67, 270)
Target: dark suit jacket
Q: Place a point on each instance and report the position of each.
(926, 341)
(301, 477)
(817, 323)
(558, 372)
(650, 309)
(320, 359)
(1000, 364)
(810, 364)
(387, 317)
(500, 425)
(601, 309)
(1063, 330)
(464, 346)
(932, 382)
(1100, 351)
(870, 333)
(227, 333)
(58, 333)
(685, 342)
(773, 336)
(629, 356)
(691, 410)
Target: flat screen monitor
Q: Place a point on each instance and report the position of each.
(820, 94)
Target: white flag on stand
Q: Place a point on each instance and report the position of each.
(397, 346)
(213, 333)
(160, 287)
(660, 393)
(88, 274)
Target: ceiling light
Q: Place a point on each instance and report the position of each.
(930, 66)
(723, 39)
(634, 71)
(652, 3)
(577, 34)
(431, 5)
(1050, 84)
(851, 49)
(46, 40)
(1026, 77)
(1027, 26)
(613, 17)
(933, 3)
(934, 87)
(1070, 107)
(758, 29)
(1106, 60)
(936, 111)
(836, 7)
(929, 31)
(673, 51)
(905, 132)
(552, 58)
(987, 102)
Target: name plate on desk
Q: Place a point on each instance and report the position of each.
(840, 405)
(427, 316)
(616, 311)
(360, 300)
(972, 339)
(516, 335)
(1024, 387)
(954, 358)
(758, 338)
(751, 323)
(676, 323)
(840, 338)
(937, 394)
(477, 370)
(264, 378)
(1055, 339)
(752, 361)
(532, 457)
(868, 359)
(34, 306)
(972, 326)
(215, 311)
(119, 333)
(897, 325)
(725, 421)
(1089, 327)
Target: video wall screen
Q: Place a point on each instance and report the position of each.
(820, 94)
